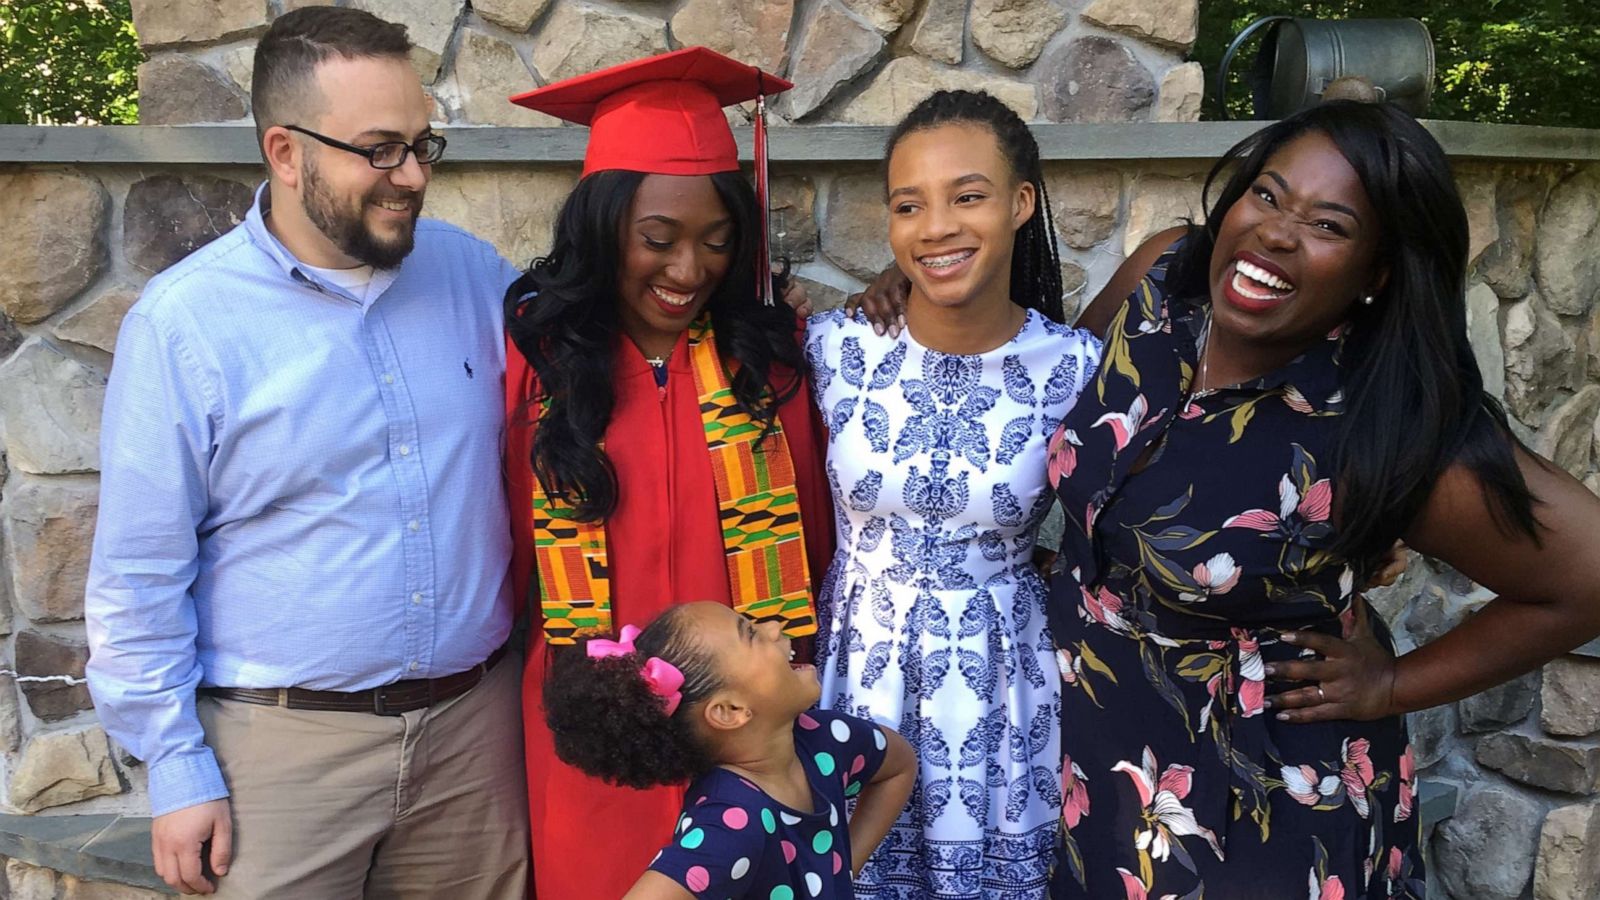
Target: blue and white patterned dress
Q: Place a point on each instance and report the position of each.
(932, 618)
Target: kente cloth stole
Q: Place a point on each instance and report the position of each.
(757, 504)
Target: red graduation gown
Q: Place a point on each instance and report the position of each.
(592, 840)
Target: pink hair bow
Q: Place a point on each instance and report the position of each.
(663, 678)
(665, 681)
(600, 647)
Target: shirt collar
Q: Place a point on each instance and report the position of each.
(256, 225)
(1314, 375)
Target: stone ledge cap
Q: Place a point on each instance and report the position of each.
(236, 144)
(105, 847)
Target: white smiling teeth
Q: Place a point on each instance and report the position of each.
(947, 260)
(1242, 283)
(1261, 276)
(670, 298)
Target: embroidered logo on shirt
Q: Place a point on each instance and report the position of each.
(467, 364)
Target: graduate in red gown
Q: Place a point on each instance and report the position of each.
(662, 447)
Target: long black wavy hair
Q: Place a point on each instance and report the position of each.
(606, 722)
(1035, 262)
(1414, 398)
(562, 315)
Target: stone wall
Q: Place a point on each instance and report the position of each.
(854, 61)
(859, 62)
(84, 238)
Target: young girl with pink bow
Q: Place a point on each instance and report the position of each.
(704, 694)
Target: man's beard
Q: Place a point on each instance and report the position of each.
(348, 228)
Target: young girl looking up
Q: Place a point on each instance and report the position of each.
(703, 693)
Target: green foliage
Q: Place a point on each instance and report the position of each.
(68, 62)
(1530, 62)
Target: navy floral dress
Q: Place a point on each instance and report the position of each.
(1198, 529)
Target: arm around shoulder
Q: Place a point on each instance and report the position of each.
(1100, 311)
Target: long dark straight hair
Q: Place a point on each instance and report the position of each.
(1035, 262)
(562, 316)
(1414, 398)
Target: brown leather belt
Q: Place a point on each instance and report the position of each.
(389, 700)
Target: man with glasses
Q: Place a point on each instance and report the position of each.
(298, 601)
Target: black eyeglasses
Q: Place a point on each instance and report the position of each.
(389, 154)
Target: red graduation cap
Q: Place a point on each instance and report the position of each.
(663, 115)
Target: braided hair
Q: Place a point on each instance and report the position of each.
(1035, 262)
(606, 721)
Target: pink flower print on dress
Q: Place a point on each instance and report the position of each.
(1408, 786)
(1071, 666)
(1105, 607)
(1357, 774)
(1165, 817)
(1217, 575)
(1396, 860)
(1252, 674)
(1330, 888)
(1315, 506)
(1063, 455)
(1302, 784)
(1125, 425)
(1074, 793)
(1296, 401)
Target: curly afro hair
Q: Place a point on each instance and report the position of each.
(606, 722)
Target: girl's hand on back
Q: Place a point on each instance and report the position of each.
(884, 301)
(794, 294)
(882, 799)
(1394, 564)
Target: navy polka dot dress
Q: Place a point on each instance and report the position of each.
(734, 841)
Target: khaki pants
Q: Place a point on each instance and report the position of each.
(347, 805)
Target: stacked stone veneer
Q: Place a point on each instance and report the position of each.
(82, 240)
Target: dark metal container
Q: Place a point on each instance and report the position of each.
(1306, 55)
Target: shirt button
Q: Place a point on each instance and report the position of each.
(413, 525)
(387, 378)
(405, 449)
(415, 665)
(417, 597)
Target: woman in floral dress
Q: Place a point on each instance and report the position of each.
(1285, 391)
(931, 616)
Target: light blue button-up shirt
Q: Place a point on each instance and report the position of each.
(298, 488)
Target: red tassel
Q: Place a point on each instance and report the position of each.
(763, 245)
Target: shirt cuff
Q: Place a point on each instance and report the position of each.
(185, 779)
